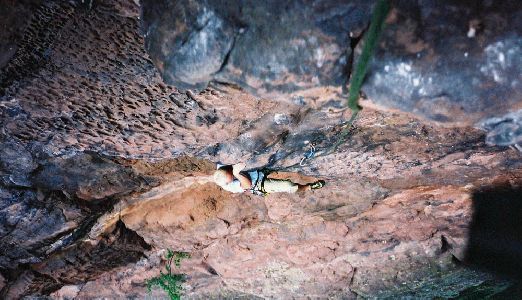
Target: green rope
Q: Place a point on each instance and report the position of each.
(380, 12)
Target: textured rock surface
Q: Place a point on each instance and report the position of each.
(504, 130)
(14, 15)
(103, 166)
(450, 61)
(193, 42)
(447, 61)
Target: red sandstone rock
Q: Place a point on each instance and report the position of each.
(101, 139)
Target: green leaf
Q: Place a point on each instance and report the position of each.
(370, 43)
(380, 12)
(170, 283)
(179, 257)
(170, 254)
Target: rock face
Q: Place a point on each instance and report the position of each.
(263, 46)
(505, 130)
(450, 61)
(103, 166)
(447, 61)
(15, 15)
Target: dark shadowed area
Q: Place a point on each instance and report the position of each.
(495, 234)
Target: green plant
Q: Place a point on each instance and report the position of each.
(380, 12)
(178, 256)
(170, 282)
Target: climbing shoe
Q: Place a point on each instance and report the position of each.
(317, 185)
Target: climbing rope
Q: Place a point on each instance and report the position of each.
(380, 12)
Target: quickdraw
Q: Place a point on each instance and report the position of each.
(309, 155)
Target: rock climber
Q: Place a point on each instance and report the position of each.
(232, 179)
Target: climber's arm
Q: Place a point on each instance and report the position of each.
(245, 181)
